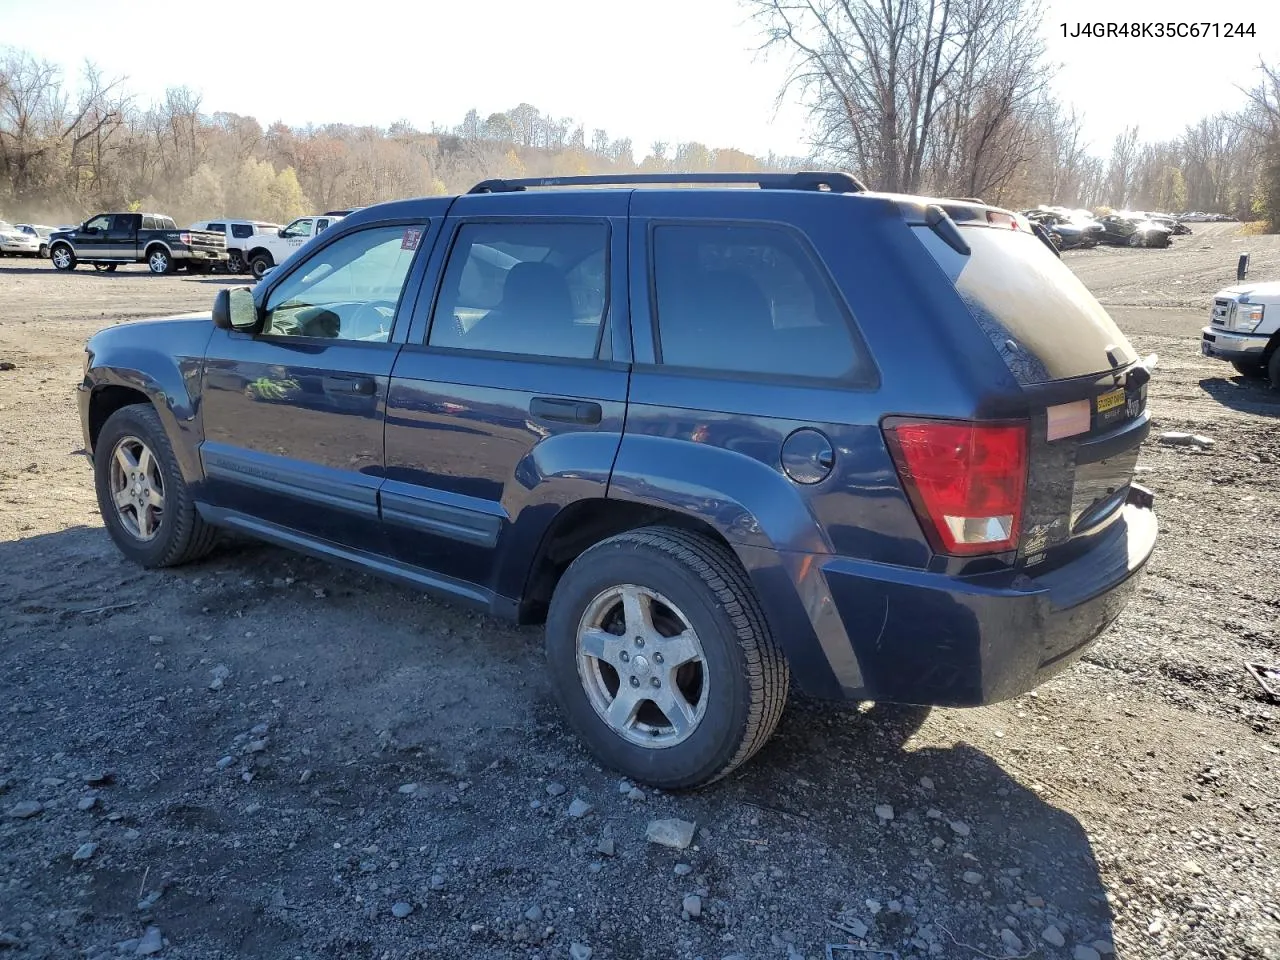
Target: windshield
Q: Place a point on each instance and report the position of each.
(1039, 316)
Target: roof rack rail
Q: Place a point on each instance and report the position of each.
(835, 182)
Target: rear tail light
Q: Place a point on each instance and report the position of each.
(184, 239)
(966, 481)
(998, 218)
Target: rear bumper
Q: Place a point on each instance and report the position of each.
(200, 255)
(901, 635)
(1225, 345)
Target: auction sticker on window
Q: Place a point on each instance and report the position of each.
(412, 236)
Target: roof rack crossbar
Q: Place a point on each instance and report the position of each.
(835, 182)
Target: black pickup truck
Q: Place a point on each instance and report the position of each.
(109, 239)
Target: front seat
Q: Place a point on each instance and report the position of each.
(536, 309)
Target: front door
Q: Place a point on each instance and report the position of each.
(511, 404)
(91, 240)
(293, 415)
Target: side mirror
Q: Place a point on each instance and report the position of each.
(91, 230)
(280, 233)
(234, 309)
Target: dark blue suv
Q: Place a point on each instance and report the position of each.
(716, 438)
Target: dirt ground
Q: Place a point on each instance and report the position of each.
(263, 756)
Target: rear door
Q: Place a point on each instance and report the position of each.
(121, 240)
(293, 415)
(508, 400)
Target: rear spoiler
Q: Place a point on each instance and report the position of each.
(945, 216)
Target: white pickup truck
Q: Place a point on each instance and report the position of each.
(267, 250)
(1244, 328)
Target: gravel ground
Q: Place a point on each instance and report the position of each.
(262, 756)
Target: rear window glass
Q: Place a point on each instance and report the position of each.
(750, 299)
(241, 230)
(1039, 316)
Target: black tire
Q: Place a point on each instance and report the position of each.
(105, 267)
(63, 256)
(235, 262)
(746, 674)
(160, 261)
(181, 535)
(1273, 369)
(1250, 368)
(43, 253)
(260, 264)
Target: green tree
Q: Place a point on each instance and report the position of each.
(285, 198)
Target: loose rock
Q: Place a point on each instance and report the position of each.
(1011, 940)
(885, 812)
(87, 803)
(677, 834)
(556, 789)
(971, 877)
(605, 846)
(692, 905)
(1082, 952)
(926, 782)
(961, 828)
(579, 951)
(401, 910)
(151, 942)
(635, 793)
(1052, 934)
(85, 851)
(24, 809)
(534, 914)
(579, 808)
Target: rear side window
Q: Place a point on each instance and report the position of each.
(750, 299)
(241, 230)
(537, 289)
(149, 223)
(1037, 314)
(217, 228)
(122, 222)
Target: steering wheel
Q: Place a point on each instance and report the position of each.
(376, 317)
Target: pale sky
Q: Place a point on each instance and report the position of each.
(670, 70)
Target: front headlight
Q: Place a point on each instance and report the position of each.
(1247, 317)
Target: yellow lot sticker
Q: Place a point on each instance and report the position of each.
(1110, 400)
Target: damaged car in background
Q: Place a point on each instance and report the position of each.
(1130, 230)
(1070, 229)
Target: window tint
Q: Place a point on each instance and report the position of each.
(527, 288)
(749, 299)
(217, 227)
(348, 290)
(241, 230)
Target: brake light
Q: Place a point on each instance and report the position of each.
(998, 219)
(966, 481)
(184, 239)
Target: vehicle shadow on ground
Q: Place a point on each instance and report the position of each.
(1244, 394)
(123, 272)
(831, 765)
(972, 847)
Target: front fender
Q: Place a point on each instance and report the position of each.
(163, 360)
(769, 527)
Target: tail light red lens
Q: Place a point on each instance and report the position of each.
(966, 481)
(184, 239)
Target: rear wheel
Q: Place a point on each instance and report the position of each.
(63, 257)
(145, 503)
(159, 261)
(260, 264)
(43, 252)
(661, 657)
(235, 262)
(1273, 369)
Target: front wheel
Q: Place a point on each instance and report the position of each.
(160, 262)
(260, 264)
(145, 503)
(1250, 368)
(63, 258)
(661, 657)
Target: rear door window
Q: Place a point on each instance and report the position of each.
(750, 299)
(241, 231)
(536, 289)
(217, 228)
(1038, 315)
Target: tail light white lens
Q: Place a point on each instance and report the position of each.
(967, 481)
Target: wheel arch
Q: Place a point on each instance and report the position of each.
(154, 244)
